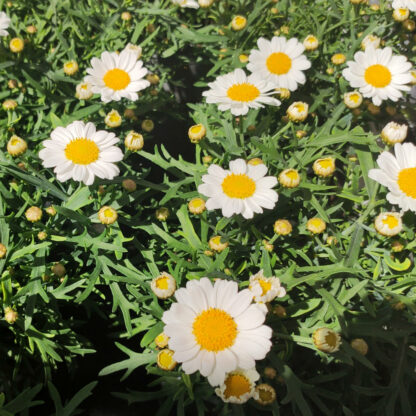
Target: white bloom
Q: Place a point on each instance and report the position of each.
(215, 329)
(244, 189)
(370, 40)
(265, 289)
(401, 14)
(115, 76)
(135, 49)
(84, 91)
(378, 74)
(238, 386)
(238, 92)
(402, 4)
(393, 133)
(298, 111)
(163, 286)
(205, 3)
(4, 24)
(280, 62)
(113, 119)
(398, 174)
(192, 4)
(80, 152)
(311, 43)
(388, 223)
(353, 99)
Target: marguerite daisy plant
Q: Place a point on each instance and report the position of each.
(379, 74)
(398, 174)
(238, 92)
(80, 152)
(280, 61)
(243, 189)
(117, 76)
(215, 329)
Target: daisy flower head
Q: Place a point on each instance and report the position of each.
(4, 24)
(311, 43)
(398, 174)
(238, 386)
(326, 340)
(243, 189)
(163, 286)
(191, 4)
(117, 76)
(408, 4)
(388, 223)
(324, 166)
(238, 92)
(215, 329)
(264, 394)
(378, 74)
(80, 152)
(265, 289)
(393, 133)
(280, 61)
(83, 91)
(401, 14)
(353, 99)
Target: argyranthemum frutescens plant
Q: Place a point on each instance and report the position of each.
(273, 269)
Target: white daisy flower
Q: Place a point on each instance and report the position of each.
(192, 4)
(4, 24)
(265, 289)
(398, 174)
(401, 4)
(117, 76)
(215, 329)
(80, 152)
(244, 189)
(238, 386)
(280, 61)
(378, 74)
(388, 223)
(238, 92)
(353, 99)
(393, 133)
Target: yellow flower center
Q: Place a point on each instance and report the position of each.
(292, 174)
(315, 223)
(355, 98)
(331, 339)
(196, 129)
(82, 151)
(240, 20)
(197, 203)
(403, 12)
(165, 359)
(116, 79)
(300, 107)
(162, 283)
(238, 186)
(236, 385)
(84, 86)
(279, 63)
(391, 221)
(407, 181)
(325, 163)
(244, 92)
(265, 285)
(214, 330)
(114, 118)
(15, 142)
(266, 396)
(109, 213)
(378, 76)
